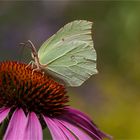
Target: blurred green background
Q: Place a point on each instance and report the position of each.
(112, 97)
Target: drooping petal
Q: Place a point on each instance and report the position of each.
(56, 132)
(80, 120)
(3, 113)
(69, 135)
(16, 127)
(80, 134)
(33, 128)
(79, 125)
(84, 122)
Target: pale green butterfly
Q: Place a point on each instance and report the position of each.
(69, 54)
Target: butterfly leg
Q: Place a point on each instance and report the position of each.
(36, 69)
(31, 63)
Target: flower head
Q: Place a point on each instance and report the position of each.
(30, 101)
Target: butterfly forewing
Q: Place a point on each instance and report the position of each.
(69, 54)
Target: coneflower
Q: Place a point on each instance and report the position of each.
(30, 101)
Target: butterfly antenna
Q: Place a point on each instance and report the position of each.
(34, 53)
(30, 45)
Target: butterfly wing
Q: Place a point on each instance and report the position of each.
(69, 54)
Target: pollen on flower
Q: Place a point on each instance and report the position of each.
(19, 87)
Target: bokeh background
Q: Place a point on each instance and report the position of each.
(112, 97)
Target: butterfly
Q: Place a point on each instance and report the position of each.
(69, 54)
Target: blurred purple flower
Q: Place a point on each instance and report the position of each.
(32, 101)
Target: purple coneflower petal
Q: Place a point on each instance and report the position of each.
(56, 132)
(16, 127)
(3, 113)
(69, 135)
(82, 121)
(81, 135)
(33, 128)
(69, 119)
(85, 122)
